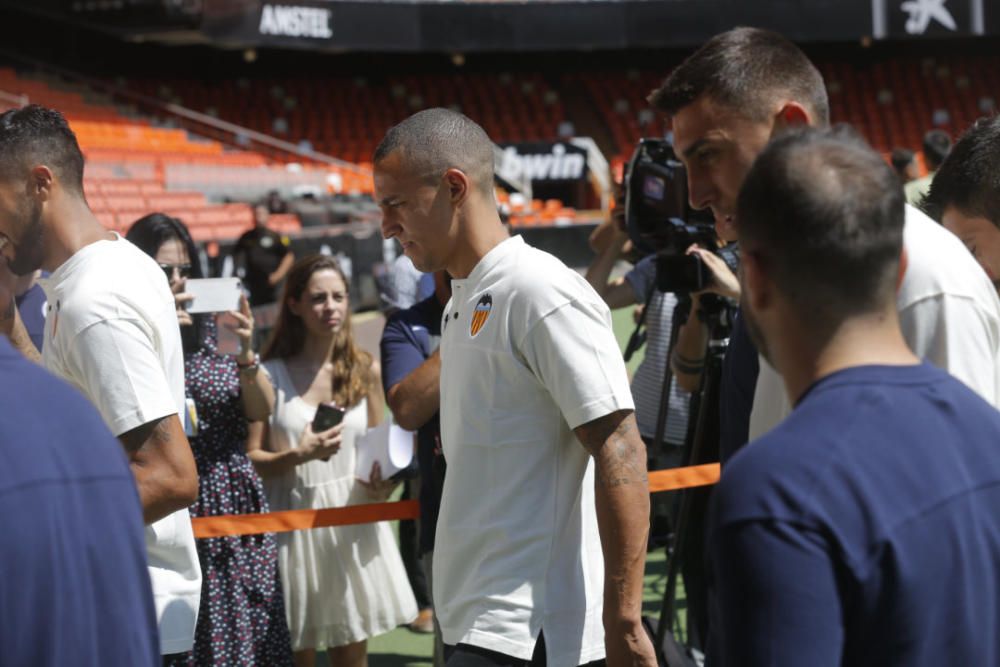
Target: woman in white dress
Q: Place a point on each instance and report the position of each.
(344, 584)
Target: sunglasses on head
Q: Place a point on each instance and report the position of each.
(183, 269)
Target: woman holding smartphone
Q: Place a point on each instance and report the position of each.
(347, 583)
(242, 616)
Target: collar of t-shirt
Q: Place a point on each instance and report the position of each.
(65, 270)
(491, 259)
(909, 374)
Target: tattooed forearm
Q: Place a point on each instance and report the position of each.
(164, 467)
(617, 449)
(621, 499)
(624, 464)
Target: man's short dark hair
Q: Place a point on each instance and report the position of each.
(34, 135)
(969, 178)
(745, 69)
(824, 213)
(937, 144)
(901, 159)
(435, 140)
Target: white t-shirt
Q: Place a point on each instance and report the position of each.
(527, 354)
(112, 332)
(948, 311)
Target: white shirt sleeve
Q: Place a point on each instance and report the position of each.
(956, 335)
(573, 352)
(770, 401)
(951, 332)
(116, 363)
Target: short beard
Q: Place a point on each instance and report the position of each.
(31, 246)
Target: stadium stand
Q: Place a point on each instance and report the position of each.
(347, 116)
(135, 167)
(892, 102)
(127, 158)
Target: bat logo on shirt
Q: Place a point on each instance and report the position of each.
(481, 314)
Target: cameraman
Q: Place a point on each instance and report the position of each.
(638, 286)
(726, 101)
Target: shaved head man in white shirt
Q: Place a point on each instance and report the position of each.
(541, 538)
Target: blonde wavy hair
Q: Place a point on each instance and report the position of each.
(352, 366)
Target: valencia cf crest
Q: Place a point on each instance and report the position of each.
(481, 314)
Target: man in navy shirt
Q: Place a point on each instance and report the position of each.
(411, 369)
(76, 589)
(863, 530)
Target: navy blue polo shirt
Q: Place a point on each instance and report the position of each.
(31, 306)
(76, 588)
(409, 338)
(736, 389)
(863, 530)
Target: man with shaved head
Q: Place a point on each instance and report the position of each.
(546, 469)
(863, 529)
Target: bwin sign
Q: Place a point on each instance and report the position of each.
(288, 21)
(556, 165)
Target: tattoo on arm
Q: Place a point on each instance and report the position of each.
(617, 448)
(155, 431)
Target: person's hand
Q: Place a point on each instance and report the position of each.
(723, 281)
(378, 489)
(181, 299)
(320, 445)
(241, 324)
(629, 645)
(618, 214)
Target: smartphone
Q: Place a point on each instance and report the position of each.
(227, 342)
(213, 295)
(327, 416)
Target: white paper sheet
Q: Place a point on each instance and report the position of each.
(387, 443)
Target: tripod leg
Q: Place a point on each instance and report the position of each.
(689, 533)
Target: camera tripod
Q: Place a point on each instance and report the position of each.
(685, 553)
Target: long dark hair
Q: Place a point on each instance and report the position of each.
(351, 365)
(150, 232)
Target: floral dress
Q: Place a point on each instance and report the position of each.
(241, 621)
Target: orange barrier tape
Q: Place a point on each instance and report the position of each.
(280, 522)
(683, 478)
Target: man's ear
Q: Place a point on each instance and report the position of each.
(755, 283)
(459, 186)
(791, 115)
(42, 180)
(904, 262)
